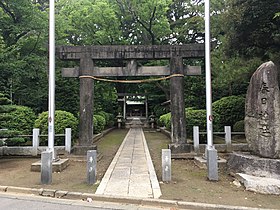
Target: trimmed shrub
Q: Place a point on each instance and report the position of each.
(193, 118)
(109, 118)
(63, 120)
(198, 118)
(239, 126)
(22, 119)
(230, 109)
(165, 120)
(99, 123)
(8, 132)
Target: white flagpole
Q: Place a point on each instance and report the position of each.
(208, 75)
(51, 132)
(211, 152)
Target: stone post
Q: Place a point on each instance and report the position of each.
(91, 166)
(35, 141)
(178, 115)
(146, 108)
(196, 139)
(86, 103)
(166, 165)
(68, 140)
(46, 167)
(212, 164)
(124, 107)
(228, 138)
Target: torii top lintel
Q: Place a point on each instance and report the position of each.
(101, 52)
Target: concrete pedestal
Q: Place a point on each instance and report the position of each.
(180, 148)
(57, 166)
(82, 150)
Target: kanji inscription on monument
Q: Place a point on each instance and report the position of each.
(262, 121)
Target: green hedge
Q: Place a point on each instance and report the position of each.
(99, 123)
(193, 118)
(165, 120)
(63, 120)
(239, 126)
(109, 118)
(231, 109)
(22, 119)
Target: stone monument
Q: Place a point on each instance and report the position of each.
(262, 120)
(259, 170)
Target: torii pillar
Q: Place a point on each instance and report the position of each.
(178, 114)
(86, 108)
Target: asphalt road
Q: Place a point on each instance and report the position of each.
(29, 202)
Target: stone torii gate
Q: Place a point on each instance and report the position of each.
(87, 55)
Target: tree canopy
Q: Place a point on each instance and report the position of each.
(247, 32)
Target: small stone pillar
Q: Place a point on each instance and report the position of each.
(35, 141)
(46, 167)
(91, 166)
(196, 139)
(228, 138)
(119, 120)
(68, 140)
(166, 165)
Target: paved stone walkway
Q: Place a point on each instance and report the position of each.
(131, 173)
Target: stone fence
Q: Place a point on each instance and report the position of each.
(36, 149)
(228, 146)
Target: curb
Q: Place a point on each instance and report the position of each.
(138, 201)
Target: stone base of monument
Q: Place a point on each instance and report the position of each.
(254, 165)
(257, 184)
(258, 174)
(201, 162)
(57, 166)
(180, 148)
(82, 150)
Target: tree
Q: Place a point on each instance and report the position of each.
(23, 52)
(85, 22)
(145, 21)
(252, 29)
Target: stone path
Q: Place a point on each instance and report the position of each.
(131, 173)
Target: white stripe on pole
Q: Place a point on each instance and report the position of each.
(208, 75)
(51, 77)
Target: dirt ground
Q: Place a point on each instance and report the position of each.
(189, 183)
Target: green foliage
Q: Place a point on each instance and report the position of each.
(196, 117)
(193, 118)
(99, 123)
(165, 120)
(109, 118)
(251, 28)
(15, 141)
(6, 132)
(239, 126)
(23, 36)
(160, 110)
(63, 120)
(85, 22)
(231, 75)
(230, 109)
(21, 119)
